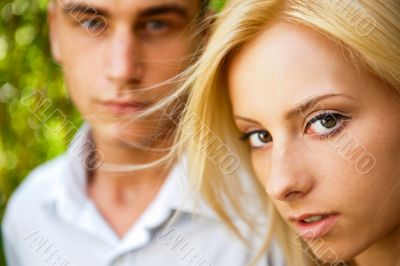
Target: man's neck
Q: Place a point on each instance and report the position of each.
(126, 182)
(118, 161)
(122, 196)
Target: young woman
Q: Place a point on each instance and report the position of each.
(311, 89)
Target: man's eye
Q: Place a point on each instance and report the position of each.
(257, 139)
(93, 25)
(326, 124)
(153, 27)
(156, 25)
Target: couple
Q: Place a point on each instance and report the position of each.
(300, 91)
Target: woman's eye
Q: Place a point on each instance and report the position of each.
(257, 139)
(325, 124)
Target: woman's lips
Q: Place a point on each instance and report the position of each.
(312, 226)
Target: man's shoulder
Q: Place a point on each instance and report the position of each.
(42, 176)
(35, 186)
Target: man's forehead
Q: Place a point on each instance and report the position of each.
(130, 7)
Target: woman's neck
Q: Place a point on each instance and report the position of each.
(385, 252)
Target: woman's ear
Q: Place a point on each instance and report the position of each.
(53, 31)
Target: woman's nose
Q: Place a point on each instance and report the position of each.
(289, 177)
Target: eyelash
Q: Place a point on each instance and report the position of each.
(90, 23)
(340, 119)
(246, 136)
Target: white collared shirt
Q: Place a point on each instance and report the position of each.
(51, 221)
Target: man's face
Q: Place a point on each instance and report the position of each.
(117, 55)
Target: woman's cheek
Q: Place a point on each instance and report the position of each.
(261, 165)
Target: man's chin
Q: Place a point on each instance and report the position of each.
(134, 136)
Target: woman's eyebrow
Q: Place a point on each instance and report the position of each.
(245, 119)
(301, 108)
(310, 103)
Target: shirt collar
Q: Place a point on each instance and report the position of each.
(178, 194)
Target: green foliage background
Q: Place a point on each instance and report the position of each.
(26, 67)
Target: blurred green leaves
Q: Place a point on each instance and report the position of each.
(26, 66)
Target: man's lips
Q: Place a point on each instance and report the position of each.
(314, 225)
(123, 107)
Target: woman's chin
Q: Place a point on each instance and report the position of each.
(333, 253)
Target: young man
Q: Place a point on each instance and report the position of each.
(117, 57)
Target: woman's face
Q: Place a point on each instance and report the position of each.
(324, 138)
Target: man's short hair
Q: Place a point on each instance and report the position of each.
(204, 5)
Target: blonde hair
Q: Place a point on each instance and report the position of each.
(207, 131)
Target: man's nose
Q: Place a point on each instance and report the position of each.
(289, 178)
(125, 59)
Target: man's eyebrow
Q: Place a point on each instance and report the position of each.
(165, 9)
(73, 8)
(311, 102)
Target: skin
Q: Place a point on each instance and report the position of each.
(304, 173)
(113, 55)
